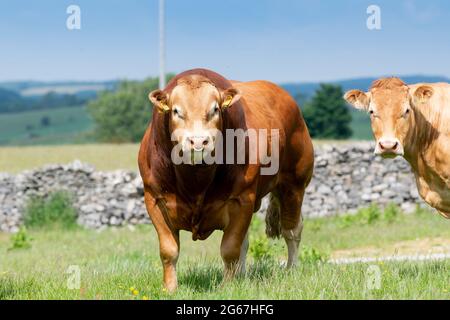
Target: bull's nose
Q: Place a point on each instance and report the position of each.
(388, 145)
(198, 143)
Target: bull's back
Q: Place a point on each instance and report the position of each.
(267, 105)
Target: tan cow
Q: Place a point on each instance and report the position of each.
(191, 115)
(414, 122)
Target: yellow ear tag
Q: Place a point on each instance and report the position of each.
(227, 102)
(164, 107)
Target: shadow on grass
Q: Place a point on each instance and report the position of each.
(202, 278)
(209, 276)
(409, 270)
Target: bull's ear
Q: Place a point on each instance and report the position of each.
(160, 100)
(358, 99)
(229, 97)
(422, 94)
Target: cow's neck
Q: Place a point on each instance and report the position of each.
(417, 141)
(193, 181)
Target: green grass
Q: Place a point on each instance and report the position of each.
(115, 260)
(67, 125)
(101, 156)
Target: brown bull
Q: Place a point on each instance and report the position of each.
(185, 190)
(414, 122)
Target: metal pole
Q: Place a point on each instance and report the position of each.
(162, 49)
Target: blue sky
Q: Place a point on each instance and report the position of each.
(278, 40)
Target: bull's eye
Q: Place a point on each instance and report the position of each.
(213, 112)
(177, 113)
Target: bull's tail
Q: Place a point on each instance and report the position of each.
(273, 219)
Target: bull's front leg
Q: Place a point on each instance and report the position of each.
(169, 243)
(169, 246)
(234, 246)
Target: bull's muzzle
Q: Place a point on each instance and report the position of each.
(198, 143)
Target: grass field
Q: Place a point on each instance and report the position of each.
(102, 156)
(65, 125)
(124, 264)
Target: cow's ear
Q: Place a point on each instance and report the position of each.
(229, 97)
(358, 99)
(422, 94)
(160, 100)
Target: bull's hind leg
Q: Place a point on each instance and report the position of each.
(243, 256)
(283, 217)
(291, 221)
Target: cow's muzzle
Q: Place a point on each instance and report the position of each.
(389, 148)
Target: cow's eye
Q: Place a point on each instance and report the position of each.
(177, 113)
(371, 112)
(407, 112)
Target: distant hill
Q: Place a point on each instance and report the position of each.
(38, 88)
(23, 96)
(9, 100)
(307, 89)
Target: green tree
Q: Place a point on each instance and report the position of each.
(327, 114)
(45, 121)
(123, 115)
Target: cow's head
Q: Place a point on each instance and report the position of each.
(391, 104)
(195, 108)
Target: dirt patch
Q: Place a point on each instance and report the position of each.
(423, 246)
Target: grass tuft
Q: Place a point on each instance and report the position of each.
(55, 211)
(20, 240)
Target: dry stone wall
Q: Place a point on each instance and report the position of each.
(347, 177)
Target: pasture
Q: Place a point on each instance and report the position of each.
(103, 156)
(52, 126)
(124, 263)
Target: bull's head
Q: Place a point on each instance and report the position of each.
(195, 108)
(391, 105)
